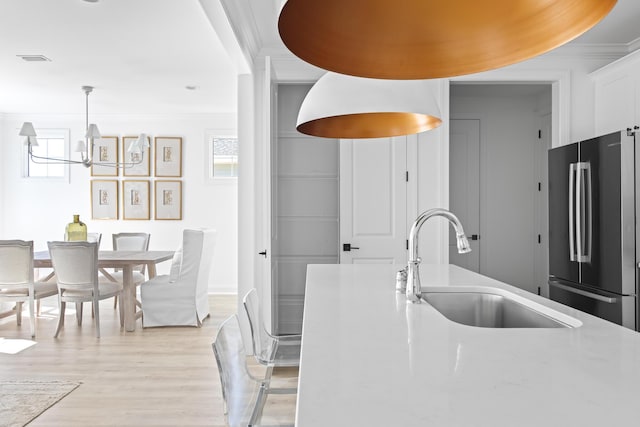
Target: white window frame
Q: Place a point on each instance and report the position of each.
(208, 169)
(46, 133)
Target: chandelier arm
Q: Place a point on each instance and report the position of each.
(52, 160)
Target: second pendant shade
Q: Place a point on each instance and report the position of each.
(341, 106)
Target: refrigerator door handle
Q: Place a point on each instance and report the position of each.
(579, 209)
(588, 185)
(572, 188)
(582, 292)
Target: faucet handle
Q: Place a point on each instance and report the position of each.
(401, 280)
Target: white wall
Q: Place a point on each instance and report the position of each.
(2, 180)
(571, 65)
(39, 211)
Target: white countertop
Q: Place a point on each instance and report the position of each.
(370, 359)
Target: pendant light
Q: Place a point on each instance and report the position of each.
(420, 39)
(341, 106)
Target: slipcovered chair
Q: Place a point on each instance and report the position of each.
(244, 396)
(76, 269)
(16, 279)
(270, 350)
(127, 242)
(181, 297)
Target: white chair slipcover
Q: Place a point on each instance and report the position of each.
(16, 279)
(181, 298)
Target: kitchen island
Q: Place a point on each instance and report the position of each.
(369, 358)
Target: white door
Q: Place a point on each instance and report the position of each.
(464, 193)
(541, 253)
(269, 234)
(373, 200)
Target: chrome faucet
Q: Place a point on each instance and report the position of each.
(414, 288)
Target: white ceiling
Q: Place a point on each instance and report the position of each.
(140, 54)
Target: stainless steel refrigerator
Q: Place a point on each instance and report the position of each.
(592, 232)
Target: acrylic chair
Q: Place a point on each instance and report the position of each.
(76, 268)
(16, 279)
(270, 350)
(244, 395)
(181, 298)
(127, 242)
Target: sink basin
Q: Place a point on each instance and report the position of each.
(499, 309)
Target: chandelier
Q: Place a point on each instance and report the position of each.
(86, 147)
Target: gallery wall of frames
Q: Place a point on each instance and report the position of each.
(149, 186)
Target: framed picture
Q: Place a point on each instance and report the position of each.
(135, 199)
(168, 155)
(105, 155)
(168, 197)
(104, 199)
(139, 163)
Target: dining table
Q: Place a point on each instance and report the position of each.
(126, 260)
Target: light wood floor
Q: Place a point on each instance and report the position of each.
(150, 377)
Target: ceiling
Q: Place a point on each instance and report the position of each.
(138, 54)
(141, 54)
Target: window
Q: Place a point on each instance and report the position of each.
(223, 158)
(52, 143)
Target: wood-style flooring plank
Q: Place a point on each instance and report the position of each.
(150, 377)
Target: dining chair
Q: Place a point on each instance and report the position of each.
(16, 280)
(271, 350)
(181, 298)
(127, 242)
(76, 269)
(51, 277)
(244, 396)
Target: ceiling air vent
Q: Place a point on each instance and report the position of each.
(34, 58)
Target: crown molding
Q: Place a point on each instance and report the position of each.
(242, 21)
(290, 68)
(609, 51)
(630, 58)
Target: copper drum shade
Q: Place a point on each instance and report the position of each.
(341, 106)
(423, 39)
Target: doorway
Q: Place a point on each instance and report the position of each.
(498, 178)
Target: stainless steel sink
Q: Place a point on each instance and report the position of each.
(489, 310)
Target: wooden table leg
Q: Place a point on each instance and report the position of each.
(129, 298)
(151, 268)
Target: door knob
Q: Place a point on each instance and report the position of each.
(263, 253)
(346, 247)
(474, 237)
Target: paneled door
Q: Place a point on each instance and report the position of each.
(373, 200)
